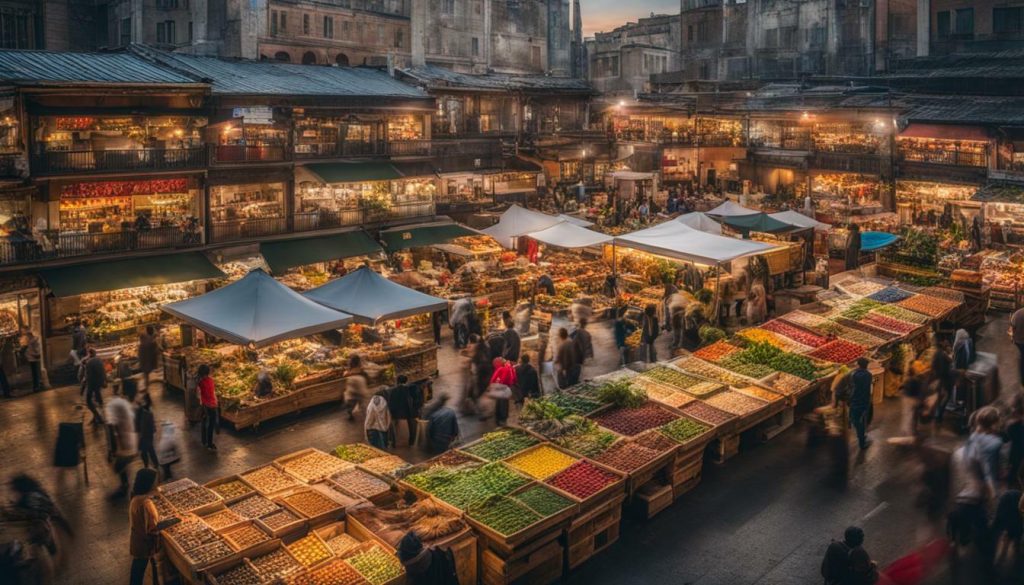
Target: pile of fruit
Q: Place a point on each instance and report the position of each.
(505, 516)
(839, 351)
(242, 574)
(803, 318)
(904, 313)
(797, 334)
(192, 498)
(758, 335)
(716, 351)
(310, 550)
(222, 519)
(376, 565)
(386, 465)
(191, 533)
(627, 456)
(873, 336)
(788, 383)
(276, 564)
(890, 324)
(760, 393)
(336, 573)
(633, 421)
(164, 509)
(583, 480)
(340, 544)
(360, 483)
(735, 403)
(209, 554)
(245, 536)
(356, 452)
(890, 294)
(700, 368)
(268, 480)
(232, 490)
(929, 305)
(453, 458)
(461, 487)
(254, 506)
(542, 461)
(573, 403)
(311, 503)
(542, 500)
(671, 377)
(279, 519)
(313, 466)
(708, 414)
(683, 430)
(656, 441)
(500, 444)
(857, 309)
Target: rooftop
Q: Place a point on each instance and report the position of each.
(62, 68)
(438, 77)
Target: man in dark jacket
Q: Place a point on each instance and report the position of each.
(582, 342)
(95, 375)
(835, 567)
(527, 380)
(402, 403)
(860, 401)
(149, 354)
(512, 343)
(623, 328)
(426, 566)
(443, 425)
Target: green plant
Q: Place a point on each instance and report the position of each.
(285, 374)
(621, 393)
(709, 334)
(704, 296)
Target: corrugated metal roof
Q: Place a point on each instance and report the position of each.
(237, 77)
(440, 77)
(50, 67)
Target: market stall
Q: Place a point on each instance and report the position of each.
(393, 311)
(248, 315)
(728, 208)
(517, 221)
(701, 221)
(304, 263)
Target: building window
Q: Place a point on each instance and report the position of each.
(476, 47)
(965, 22)
(165, 32)
(399, 38)
(328, 27)
(273, 22)
(448, 7)
(535, 56)
(705, 70)
(167, 4)
(305, 24)
(942, 24)
(344, 29)
(126, 31)
(689, 33)
(1007, 20)
(14, 30)
(702, 31)
(380, 34)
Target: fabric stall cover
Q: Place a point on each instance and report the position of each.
(730, 209)
(369, 297)
(700, 222)
(760, 222)
(256, 311)
(798, 219)
(574, 220)
(517, 221)
(284, 254)
(424, 234)
(676, 240)
(568, 235)
(67, 281)
(874, 241)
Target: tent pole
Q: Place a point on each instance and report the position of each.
(718, 293)
(614, 253)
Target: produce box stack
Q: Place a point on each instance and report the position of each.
(601, 491)
(372, 460)
(692, 437)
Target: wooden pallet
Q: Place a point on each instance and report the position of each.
(725, 448)
(538, 563)
(687, 472)
(654, 497)
(593, 531)
(313, 395)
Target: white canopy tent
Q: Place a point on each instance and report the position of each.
(677, 240)
(569, 235)
(517, 221)
(369, 297)
(575, 220)
(701, 222)
(256, 311)
(798, 219)
(730, 209)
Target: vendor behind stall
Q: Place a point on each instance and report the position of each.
(264, 384)
(544, 285)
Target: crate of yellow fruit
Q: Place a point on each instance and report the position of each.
(541, 461)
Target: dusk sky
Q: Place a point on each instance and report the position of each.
(604, 15)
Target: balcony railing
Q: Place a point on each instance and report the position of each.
(343, 149)
(409, 148)
(141, 159)
(946, 157)
(244, 153)
(53, 244)
(850, 163)
(9, 165)
(244, 229)
(323, 219)
(411, 210)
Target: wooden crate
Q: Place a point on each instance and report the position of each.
(687, 473)
(593, 531)
(655, 496)
(539, 564)
(463, 545)
(294, 401)
(725, 447)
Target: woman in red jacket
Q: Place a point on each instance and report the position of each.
(208, 398)
(502, 381)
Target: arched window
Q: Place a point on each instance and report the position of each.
(309, 58)
(283, 57)
(341, 59)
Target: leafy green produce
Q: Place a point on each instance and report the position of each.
(541, 409)
(766, 354)
(504, 515)
(683, 430)
(376, 565)
(356, 453)
(737, 364)
(859, 308)
(589, 442)
(500, 444)
(461, 487)
(667, 375)
(897, 312)
(543, 501)
(621, 393)
(573, 403)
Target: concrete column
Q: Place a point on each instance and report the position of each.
(924, 27)
(417, 28)
(137, 14)
(200, 21)
(253, 25)
(487, 39)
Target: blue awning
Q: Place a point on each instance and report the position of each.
(874, 241)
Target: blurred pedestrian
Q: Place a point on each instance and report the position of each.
(378, 422)
(33, 353)
(837, 566)
(942, 381)
(442, 425)
(1014, 431)
(145, 426)
(356, 380)
(511, 337)
(649, 333)
(911, 401)
(622, 329)
(426, 566)
(566, 363)
(404, 402)
(144, 527)
(94, 379)
(480, 366)
(975, 477)
(582, 342)
(149, 354)
(211, 408)
(31, 503)
(500, 389)
(124, 440)
(169, 447)
(527, 380)
(860, 401)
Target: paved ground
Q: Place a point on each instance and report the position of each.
(764, 517)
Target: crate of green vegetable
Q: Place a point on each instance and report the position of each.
(460, 487)
(686, 431)
(376, 565)
(573, 403)
(503, 519)
(357, 452)
(587, 442)
(545, 500)
(500, 444)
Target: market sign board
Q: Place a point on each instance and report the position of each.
(255, 114)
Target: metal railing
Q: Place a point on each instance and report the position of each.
(9, 164)
(411, 209)
(409, 148)
(323, 219)
(147, 159)
(945, 157)
(242, 153)
(53, 244)
(852, 163)
(244, 229)
(342, 149)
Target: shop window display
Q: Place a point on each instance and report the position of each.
(849, 138)
(966, 153)
(332, 205)
(251, 142)
(247, 210)
(69, 143)
(336, 136)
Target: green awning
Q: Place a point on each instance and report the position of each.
(428, 234)
(758, 222)
(351, 172)
(284, 254)
(68, 281)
